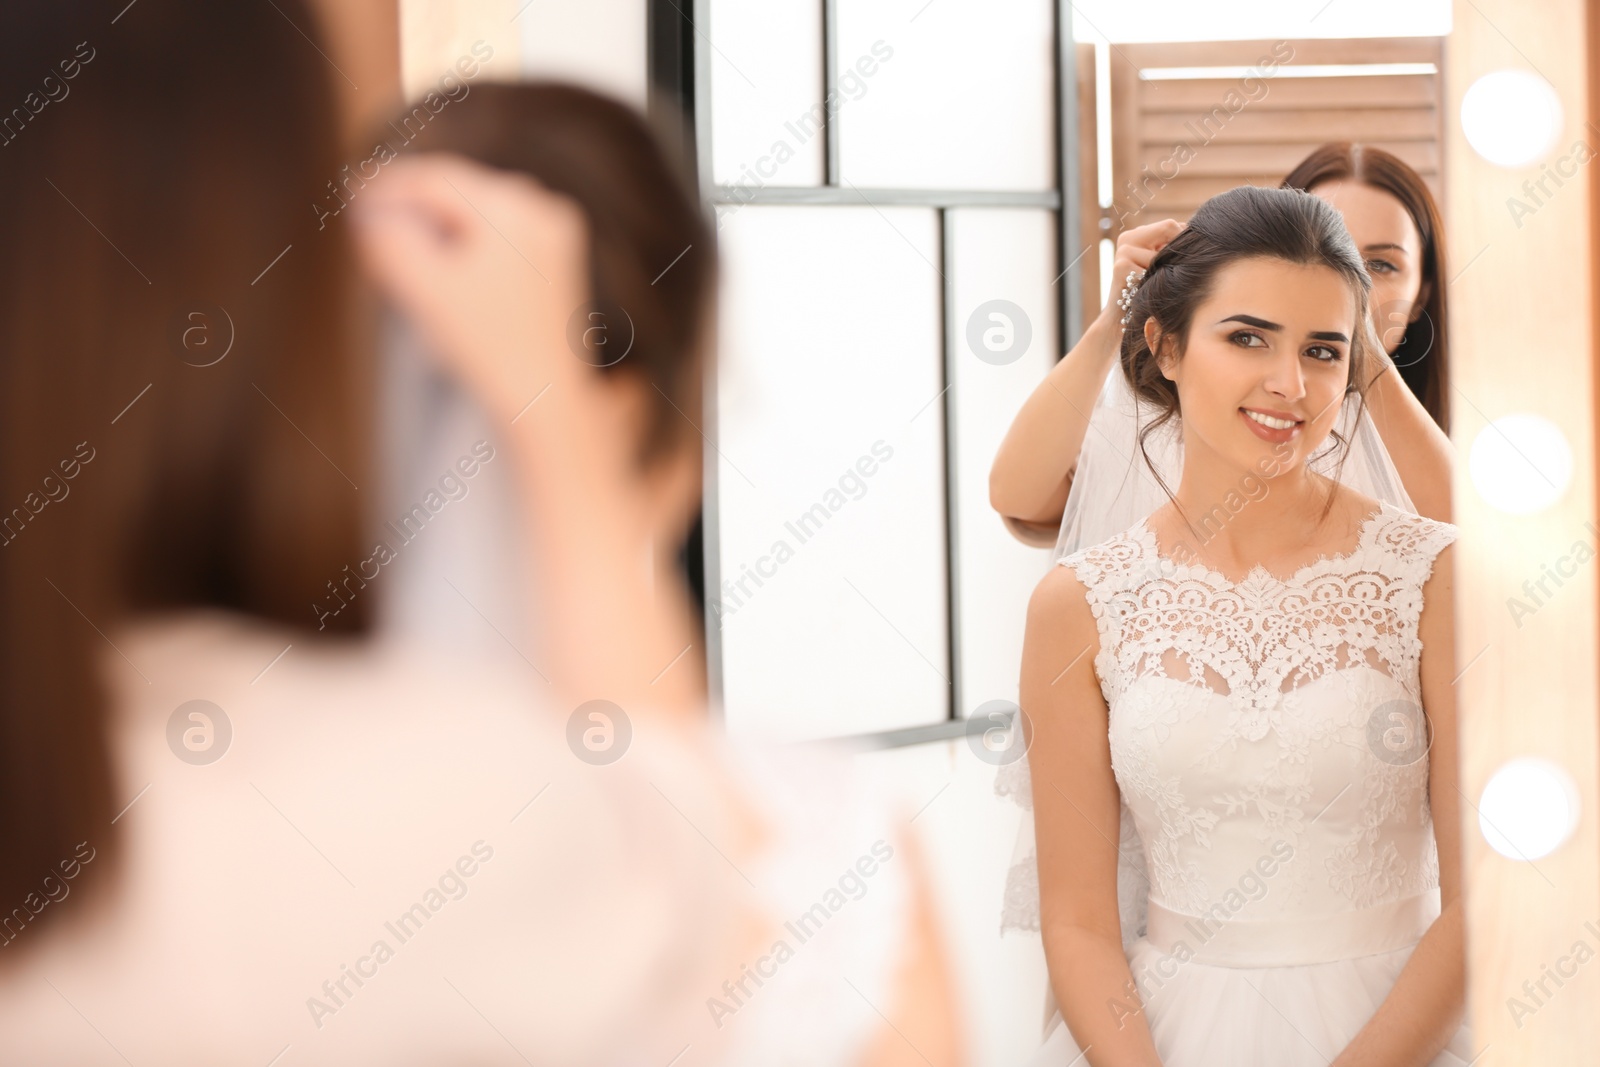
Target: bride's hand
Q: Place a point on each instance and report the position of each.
(1135, 249)
(489, 265)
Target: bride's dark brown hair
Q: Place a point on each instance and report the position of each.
(1243, 223)
(155, 209)
(651, 248)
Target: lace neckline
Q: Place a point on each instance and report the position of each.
(1146, 538)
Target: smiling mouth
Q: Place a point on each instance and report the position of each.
(1269, 421)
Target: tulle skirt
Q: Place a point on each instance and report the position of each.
(1207, 1015)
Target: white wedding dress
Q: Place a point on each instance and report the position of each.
(1266, 738)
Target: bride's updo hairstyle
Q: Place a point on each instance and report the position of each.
(650, 244)
(1242, 223)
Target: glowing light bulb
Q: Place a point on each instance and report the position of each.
(1528, 808)
(1520, 463)
(1511, 117)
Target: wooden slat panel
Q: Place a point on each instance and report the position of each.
(1087, 270)
(1215, 159)
(1249, 53)
(1313, 124)
(1202, 95)
(1179, 198)
(1162, 208)
(1186, 190)
(1266, 136)
(1125, 118)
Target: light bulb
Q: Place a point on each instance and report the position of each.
(1520, 463)
(1511, 117)
(1528, 808)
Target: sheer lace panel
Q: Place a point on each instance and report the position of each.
(1183, 667)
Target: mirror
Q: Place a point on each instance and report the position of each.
(918, 204)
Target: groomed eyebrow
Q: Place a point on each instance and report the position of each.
(1384, 248)
(1251, 320)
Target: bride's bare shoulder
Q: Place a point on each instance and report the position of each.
(1361, 503)
(1059, 607)
(1354, 505)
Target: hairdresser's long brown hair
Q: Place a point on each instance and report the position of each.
(651, 248)
(160, 201)
(1422, 356)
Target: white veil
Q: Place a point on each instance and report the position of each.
(1111, 490)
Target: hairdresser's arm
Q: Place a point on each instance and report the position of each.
(1077, 820)
(1426, 1004)
(1422, 454)
(1032, 471)
(490, 266)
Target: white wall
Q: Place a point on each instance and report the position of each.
(599, 43)
(967, 833)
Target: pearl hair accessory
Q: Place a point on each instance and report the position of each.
(1129, 287)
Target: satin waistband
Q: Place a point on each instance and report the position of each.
(1289, 942)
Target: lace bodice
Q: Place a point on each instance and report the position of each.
(1271, 720)
(1264, 725)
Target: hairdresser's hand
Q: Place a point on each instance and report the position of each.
(1135, 249)
(490, 266)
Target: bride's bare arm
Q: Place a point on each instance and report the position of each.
(1426, 1004)
(1076, 809)
(1033, 468)
(1422, 454)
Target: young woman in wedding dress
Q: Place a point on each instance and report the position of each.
(1270, 696)
(1390, 213)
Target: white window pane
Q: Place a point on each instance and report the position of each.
(830, 509)
(960, 96)
(766, 89)
(1000, 255)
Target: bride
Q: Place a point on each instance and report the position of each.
(1260, 669)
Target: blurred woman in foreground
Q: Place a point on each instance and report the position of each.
(233, 829)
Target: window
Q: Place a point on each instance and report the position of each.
(888, 185)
